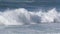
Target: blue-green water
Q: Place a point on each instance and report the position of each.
(29, 4)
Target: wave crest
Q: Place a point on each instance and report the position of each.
(23, 16)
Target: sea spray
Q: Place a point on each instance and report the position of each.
(22, 16)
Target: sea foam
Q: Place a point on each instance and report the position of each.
(22, 16)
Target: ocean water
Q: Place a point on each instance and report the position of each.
(29, 16)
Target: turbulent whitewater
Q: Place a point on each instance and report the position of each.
(22, 16)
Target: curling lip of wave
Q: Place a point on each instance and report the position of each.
(22, 16)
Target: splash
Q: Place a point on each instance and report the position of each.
(22, 16)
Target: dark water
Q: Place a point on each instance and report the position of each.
(29, 4)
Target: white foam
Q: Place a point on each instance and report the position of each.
(22, 16)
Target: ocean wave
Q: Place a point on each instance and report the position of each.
(22, 16)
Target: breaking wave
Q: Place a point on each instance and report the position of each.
(22, 16)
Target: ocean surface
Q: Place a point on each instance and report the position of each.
(29, 16)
